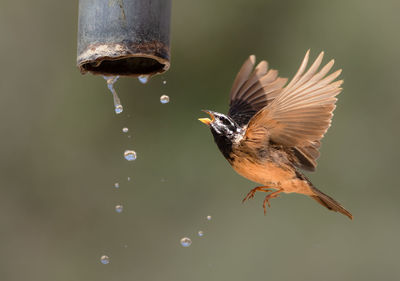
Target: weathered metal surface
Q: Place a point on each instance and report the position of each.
(124, 37)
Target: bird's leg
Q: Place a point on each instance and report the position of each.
(252, 192)
(268, 197)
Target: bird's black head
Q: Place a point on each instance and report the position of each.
(224, 129)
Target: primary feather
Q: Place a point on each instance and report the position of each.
(252, 90)
(299, 114)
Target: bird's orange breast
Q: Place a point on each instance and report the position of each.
(264, 172)
(269, 173)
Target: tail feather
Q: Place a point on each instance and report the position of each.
(329, 202)
(323, 199)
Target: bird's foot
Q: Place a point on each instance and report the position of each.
(252, 192)
(274, 194)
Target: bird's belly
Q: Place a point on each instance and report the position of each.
(262, 173)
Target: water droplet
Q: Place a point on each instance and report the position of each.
(116, 185)
(186, 242)
(119, 109)
(209, 218)
(130, 155)
(110, 84)
(143, 79)
(129, 178)
(164, 99)
(125, 130)
(200, 233)
(164, 82)
(105, 259)
(119, 208)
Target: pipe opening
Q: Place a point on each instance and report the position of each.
(123, 38)
(131, 66)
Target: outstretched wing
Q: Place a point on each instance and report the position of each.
(253, 90)
(301, 113)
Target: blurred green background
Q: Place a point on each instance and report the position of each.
(62, 146)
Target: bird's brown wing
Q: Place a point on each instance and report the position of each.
(252, 90)
(307, 156)
(301, 114)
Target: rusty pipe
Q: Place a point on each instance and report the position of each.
(124, 37)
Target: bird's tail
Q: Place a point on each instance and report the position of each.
(329, 202)
(323, 199)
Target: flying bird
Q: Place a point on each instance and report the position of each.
(273, 131)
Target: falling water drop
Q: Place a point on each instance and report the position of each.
(129, 178)
(164, 82)
(209, 218)
(119, 109)
(143, 79)
(116, 185)
(186, 242)
(200, 233)
(105, 259)
(125, 129)
(164, 99)
(110, 84)
(130, 155)
(119, 208)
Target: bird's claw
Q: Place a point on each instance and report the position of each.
(268, 197)
(252, 192)
(266, 201)
(249, 195)
(273, 194)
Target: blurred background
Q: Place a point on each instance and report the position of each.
(62, 150)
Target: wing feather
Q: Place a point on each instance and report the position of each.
(253, 90)
(299, 115)
(242, 75)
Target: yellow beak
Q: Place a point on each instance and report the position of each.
(207, 121)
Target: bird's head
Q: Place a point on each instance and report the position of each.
(221, 125)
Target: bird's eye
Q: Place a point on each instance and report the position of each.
(226, 122)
